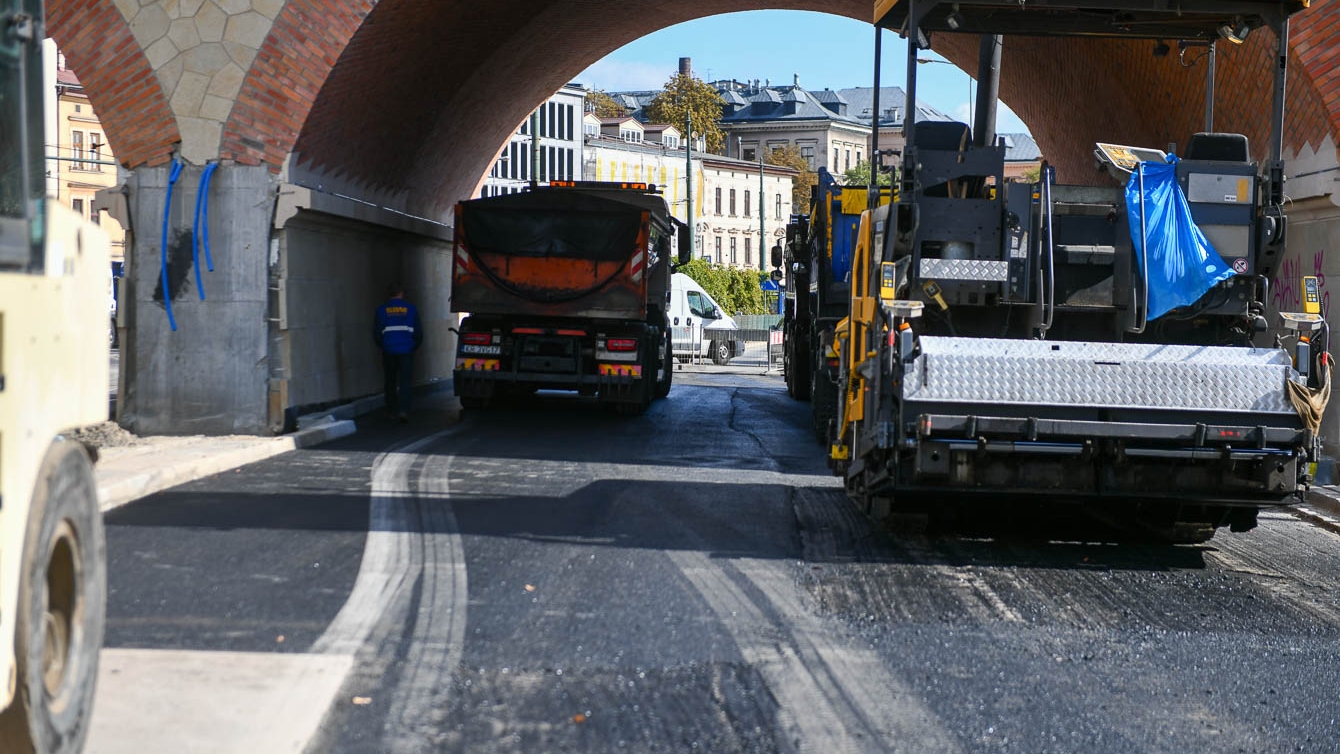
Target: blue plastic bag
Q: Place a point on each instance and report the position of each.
(1183, 266)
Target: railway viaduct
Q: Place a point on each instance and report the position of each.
(342, 131)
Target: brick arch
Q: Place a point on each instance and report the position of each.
(454, 84)
(120, 84)
(1116, 90)
(410, 100)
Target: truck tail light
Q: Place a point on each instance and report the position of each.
(621, 344)
(476, 338)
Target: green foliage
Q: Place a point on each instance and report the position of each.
(859, 175)
(735, 290)
(1033, 175)
(789, 157)
(603, 105)
(685, 94)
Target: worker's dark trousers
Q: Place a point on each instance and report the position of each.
(397, 369)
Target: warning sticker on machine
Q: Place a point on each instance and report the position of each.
(1240, 266)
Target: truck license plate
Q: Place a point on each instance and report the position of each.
(482, 350)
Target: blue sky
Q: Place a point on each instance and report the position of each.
(824, 50)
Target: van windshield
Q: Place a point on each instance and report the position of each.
(699, 305)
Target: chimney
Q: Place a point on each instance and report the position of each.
(685, 67)
(795, 79)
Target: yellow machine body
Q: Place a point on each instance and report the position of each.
(53, 377)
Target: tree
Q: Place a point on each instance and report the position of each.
(789, 157)
(604, 106)
(684, 94)
(737, 291)
(859, 175)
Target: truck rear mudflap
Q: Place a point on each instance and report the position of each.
(1199, 423)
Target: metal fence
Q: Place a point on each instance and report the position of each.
(752, 347)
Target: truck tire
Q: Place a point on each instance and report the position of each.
(823, 405)
(61, 609)
(798, 372)
(721, 352)
(663, 383)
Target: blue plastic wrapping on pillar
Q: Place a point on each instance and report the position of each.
(1183, 266)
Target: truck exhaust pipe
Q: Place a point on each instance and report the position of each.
(988, 90)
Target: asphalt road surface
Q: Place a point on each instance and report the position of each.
(558, 578)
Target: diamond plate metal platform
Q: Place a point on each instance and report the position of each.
(964, 269)
(1104, 375)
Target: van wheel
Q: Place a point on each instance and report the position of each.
(61, 609)
(721, 354)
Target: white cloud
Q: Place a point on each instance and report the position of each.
(625, 75)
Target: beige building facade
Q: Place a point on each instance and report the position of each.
(79, 157)
(725, 194)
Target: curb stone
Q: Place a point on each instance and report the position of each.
(113, 494)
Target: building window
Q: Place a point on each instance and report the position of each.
(779, 207)
(846, 165)
(835, 158)
(570, 164)
(746, 203)
(718, 203)
(95, 149)
(748, 252)
(77, 149)
(807, 153)
(749, 154)
(733, 260)
(732, 202)
(718, 245)
(858, 157)
(96, 217)
(78, 206)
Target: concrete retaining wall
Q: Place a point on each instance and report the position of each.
(329, 276)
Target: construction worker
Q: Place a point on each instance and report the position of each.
(398, 333)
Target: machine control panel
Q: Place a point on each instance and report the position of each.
(1311, 295)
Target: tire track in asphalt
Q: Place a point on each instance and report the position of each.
(436, 641)
(387, 556)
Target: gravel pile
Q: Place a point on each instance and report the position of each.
(105, 435)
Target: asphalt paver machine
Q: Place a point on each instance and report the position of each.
(1106, 343)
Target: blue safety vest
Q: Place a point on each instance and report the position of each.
(397, 330)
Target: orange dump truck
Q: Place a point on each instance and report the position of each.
(565, 288)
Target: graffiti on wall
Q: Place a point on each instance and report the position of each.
(1286, 290)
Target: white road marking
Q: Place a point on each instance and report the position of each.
(171, 701)
(155, 701)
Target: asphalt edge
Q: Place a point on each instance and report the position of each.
(129, 489)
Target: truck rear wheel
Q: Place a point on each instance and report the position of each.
(823, 405)
(61, 609)
(668, 365)
(798, 372)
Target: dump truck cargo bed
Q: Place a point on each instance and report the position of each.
(552, 253)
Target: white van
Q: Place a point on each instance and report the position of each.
(697, 324)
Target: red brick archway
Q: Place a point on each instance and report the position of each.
(410, 99)
(120, 85)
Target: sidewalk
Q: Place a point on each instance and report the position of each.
(130, 467)
(128, 473)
